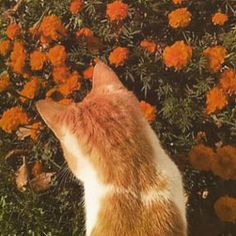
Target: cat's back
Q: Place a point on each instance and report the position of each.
(124, 214)
(147, 197)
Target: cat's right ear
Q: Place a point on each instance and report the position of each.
(103, 76)
(51, 111)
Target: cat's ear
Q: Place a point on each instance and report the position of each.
(103, 75)
(51, 111)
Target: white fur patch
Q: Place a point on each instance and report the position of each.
(153, 196)
(170, 171)
(94, 190)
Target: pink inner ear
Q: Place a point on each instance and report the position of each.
(49, 111)
(104, 75)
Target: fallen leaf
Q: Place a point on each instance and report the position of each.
(23, 133)
(37, 168)
(22, 177)
(42, 182)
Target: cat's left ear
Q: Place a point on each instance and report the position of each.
(51, 111)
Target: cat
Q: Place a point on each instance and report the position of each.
(131, 186)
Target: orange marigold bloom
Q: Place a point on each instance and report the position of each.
(117, 11)
(148, 110)
(4, 81)
(228, 81)
(149, 45)
(219, 18)
(5, 46)
(70, 85)
(13, 118)
(51, 29)
(88, 73)
(177, 55)
(35, 129)
(37, 60)
(216, 100)
(225, 163)
(177, 1)
(51, 91)
(201, 157)
(225, 209)
(60, 74)
(76, 6)
(13, 30)
(179, 18)
(215, 57)
(118, 56)
(30, 89)
(66, 101)
(17, 58)
(86, 32)
(57, 55)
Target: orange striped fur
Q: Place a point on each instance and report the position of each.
(132, 175)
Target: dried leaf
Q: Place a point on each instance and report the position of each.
(15, 153)
(42, 182)
(22, 177)
(37, 168)
(23, 133)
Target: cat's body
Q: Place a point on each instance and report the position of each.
(131, 186)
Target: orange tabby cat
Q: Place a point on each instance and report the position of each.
(132, 188)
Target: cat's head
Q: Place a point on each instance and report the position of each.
(105, 82)
(103, 119)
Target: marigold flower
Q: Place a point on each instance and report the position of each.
(17, 58)
(118, 56)
(86, 32)
(30, 89)
(66, 101)
(94, 44)
(4, 81)
(201, 157)
(177, 55)
(148, 110)
(179, 18)
(34, 130)
(57, 55)
(228, 81)
(13, 118)
(225, 162)
(13, 30)
(5, 46)
(225, 209)
(70, 85)
(219, 18)
(37, 60)
(75, 6)
(149, 45)
(88, 73)
(215, 57)
(51, 92)
(60, 74)
(51, 29)
(177, 1)
(117, 11)
(216, 100)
